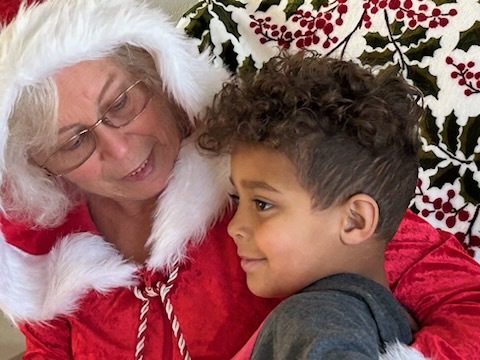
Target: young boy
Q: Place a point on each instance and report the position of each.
(323, 163)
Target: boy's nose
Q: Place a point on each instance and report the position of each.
(236, 227)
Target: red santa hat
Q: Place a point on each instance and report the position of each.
(44, 37)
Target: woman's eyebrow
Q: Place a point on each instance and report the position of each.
(101, 95)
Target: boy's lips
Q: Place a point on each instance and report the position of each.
(248, 263)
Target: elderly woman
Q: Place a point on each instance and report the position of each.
(113, 242)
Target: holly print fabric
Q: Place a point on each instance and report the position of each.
(433, 43)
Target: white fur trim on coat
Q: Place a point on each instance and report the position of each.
(37, 288)
(196, 195)
(400, 351)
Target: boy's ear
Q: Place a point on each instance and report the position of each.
(360, 219)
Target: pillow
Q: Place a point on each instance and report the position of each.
(435, 44)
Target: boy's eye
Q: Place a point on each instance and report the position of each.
(234, 198)
(262, 205)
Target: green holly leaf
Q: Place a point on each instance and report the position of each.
(292, 7)
(234, 3)
(425, 81)
(226, 18)
(446, 175)
(414, 208)
(206, 42)
(266, 4)
(428, 160)
(229, 56)
(469, 188)
(375, 40)
(429, 129)
(317, 4)
(248, 65)
(396, 28)
(450, 133)
(441, 2)
(469, 37)
(199, 23)
(376, 58)
(422, 50)
(470, 136)
(413, 36)
(193, 9)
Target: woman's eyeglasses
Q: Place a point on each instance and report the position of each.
(73, 152)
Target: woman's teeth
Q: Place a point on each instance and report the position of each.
(140, 168)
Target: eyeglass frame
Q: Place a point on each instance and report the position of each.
(102, 120)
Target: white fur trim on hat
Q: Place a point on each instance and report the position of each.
(46, 37)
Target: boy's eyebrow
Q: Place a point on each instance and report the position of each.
(253, 184)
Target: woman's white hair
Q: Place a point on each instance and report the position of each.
(48, 36)
(29, 193)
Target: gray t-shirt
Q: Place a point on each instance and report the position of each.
(344, 316)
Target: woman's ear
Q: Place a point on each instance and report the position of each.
(360, 219)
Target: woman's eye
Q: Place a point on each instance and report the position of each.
(262, 205)
(119, 104)
(74, 143)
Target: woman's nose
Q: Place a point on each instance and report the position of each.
(111, 142)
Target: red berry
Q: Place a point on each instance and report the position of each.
(450, 221)
(439, 215)
(450, 193)
(447, 207)
(422, 17)
(463, 215)
(437, 203)
(443, 22)
(320, 23)
(328, 28)
(342, 9)
(460, 236)
(425, 213)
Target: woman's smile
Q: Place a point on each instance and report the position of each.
(145, 169)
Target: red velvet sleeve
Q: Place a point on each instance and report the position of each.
(47, 341)
(431, 274)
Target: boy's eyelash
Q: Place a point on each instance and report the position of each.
(262, 205)
(234, 197)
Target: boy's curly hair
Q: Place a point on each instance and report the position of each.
(346, 130)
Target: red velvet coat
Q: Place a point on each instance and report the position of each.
(429, 273)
